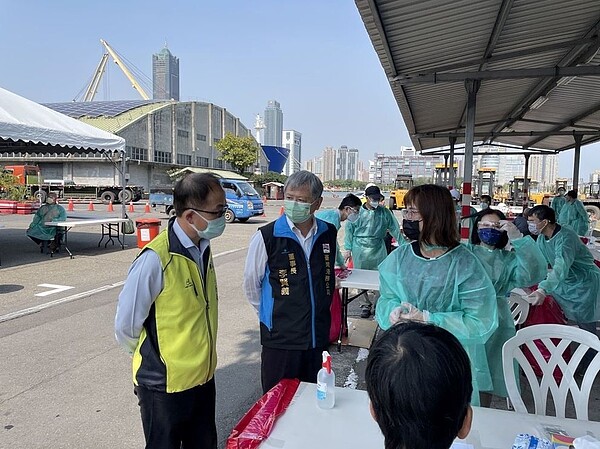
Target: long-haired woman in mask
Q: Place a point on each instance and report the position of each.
(434, 278)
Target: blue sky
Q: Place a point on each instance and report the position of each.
(313, 56)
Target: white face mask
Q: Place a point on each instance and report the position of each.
(352, 217)
(374, 204)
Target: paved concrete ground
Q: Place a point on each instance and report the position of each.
(65, 383)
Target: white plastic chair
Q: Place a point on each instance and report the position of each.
(547, 384)
(519, 307)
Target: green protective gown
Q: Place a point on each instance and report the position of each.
(574, 215)
(557, 204)
(47, 212)
(523, 267)
(365, 237)
(456, 291)
(333, 216)
(574, 280)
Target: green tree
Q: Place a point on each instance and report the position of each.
(240, 152)
(10, 188)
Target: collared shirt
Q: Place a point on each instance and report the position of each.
(256, 261)
(143, 285)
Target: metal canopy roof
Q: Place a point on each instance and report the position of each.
(536, 63)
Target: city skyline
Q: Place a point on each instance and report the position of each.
(329, 81)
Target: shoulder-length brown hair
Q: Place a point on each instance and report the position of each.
(436, 208)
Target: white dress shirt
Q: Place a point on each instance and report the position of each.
(256, 261)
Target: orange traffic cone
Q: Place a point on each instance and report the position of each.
(110, 207)
(147, 208)
(71, 206)
(281, 211)
(91, 206)
(131, 209)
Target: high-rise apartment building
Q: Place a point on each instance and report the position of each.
(329, 163)
(292, 140)
(543, 169)
(384, 168)
(165, 76)
(346, 163)
(273, 124)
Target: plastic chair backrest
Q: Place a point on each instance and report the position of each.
(519, 307)
(563, 336)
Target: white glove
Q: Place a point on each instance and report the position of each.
(537, 297)
(512, 231)
(407, 312)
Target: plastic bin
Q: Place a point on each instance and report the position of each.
(147, 229)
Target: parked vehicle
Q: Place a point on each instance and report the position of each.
(38, 187)
(243, 201)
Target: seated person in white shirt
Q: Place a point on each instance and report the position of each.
(419, 384)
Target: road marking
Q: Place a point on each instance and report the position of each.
(35, 309)
(55, 289)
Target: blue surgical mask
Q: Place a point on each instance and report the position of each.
(489, 236)
(374, 204)
(213, 229)
(297, 212)
(533, 230)
(484, 205)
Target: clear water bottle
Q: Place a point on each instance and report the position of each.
(326, 384)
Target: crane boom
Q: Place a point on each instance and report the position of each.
(92, 89)
(125, 70)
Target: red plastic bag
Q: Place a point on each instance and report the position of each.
(336, 316)
(256, 425)
(549, 312)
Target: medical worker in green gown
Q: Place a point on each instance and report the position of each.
(38, 231)
(574, 280)
(558, 201)
(435, 278)
(524, 266)
(347, 210)
(364, 239)
(573, 214)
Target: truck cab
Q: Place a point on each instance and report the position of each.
(243, 200)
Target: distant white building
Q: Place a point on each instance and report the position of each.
(346, 163)
(292, 140)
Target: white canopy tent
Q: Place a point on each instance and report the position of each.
(28, 127)
(24, 120)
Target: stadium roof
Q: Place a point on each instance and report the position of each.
(535, 61)
(111, 116)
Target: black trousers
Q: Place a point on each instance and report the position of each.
(184, 420)
(277, 364)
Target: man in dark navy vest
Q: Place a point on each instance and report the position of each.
(289, 279)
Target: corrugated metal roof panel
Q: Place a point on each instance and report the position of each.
(452, 36)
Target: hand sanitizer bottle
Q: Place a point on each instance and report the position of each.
(326, 384)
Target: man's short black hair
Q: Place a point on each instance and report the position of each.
(192, 191)
(419, 383)
(350, 200)
(543, 212)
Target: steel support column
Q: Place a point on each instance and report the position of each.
(526, 182)
(446, 174)
(576, 160)
(472, 86)
(451, 177)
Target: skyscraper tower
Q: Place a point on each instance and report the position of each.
(165, 76)
(273, 124)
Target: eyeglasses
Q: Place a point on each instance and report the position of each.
(411, 213)
(218, 213)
